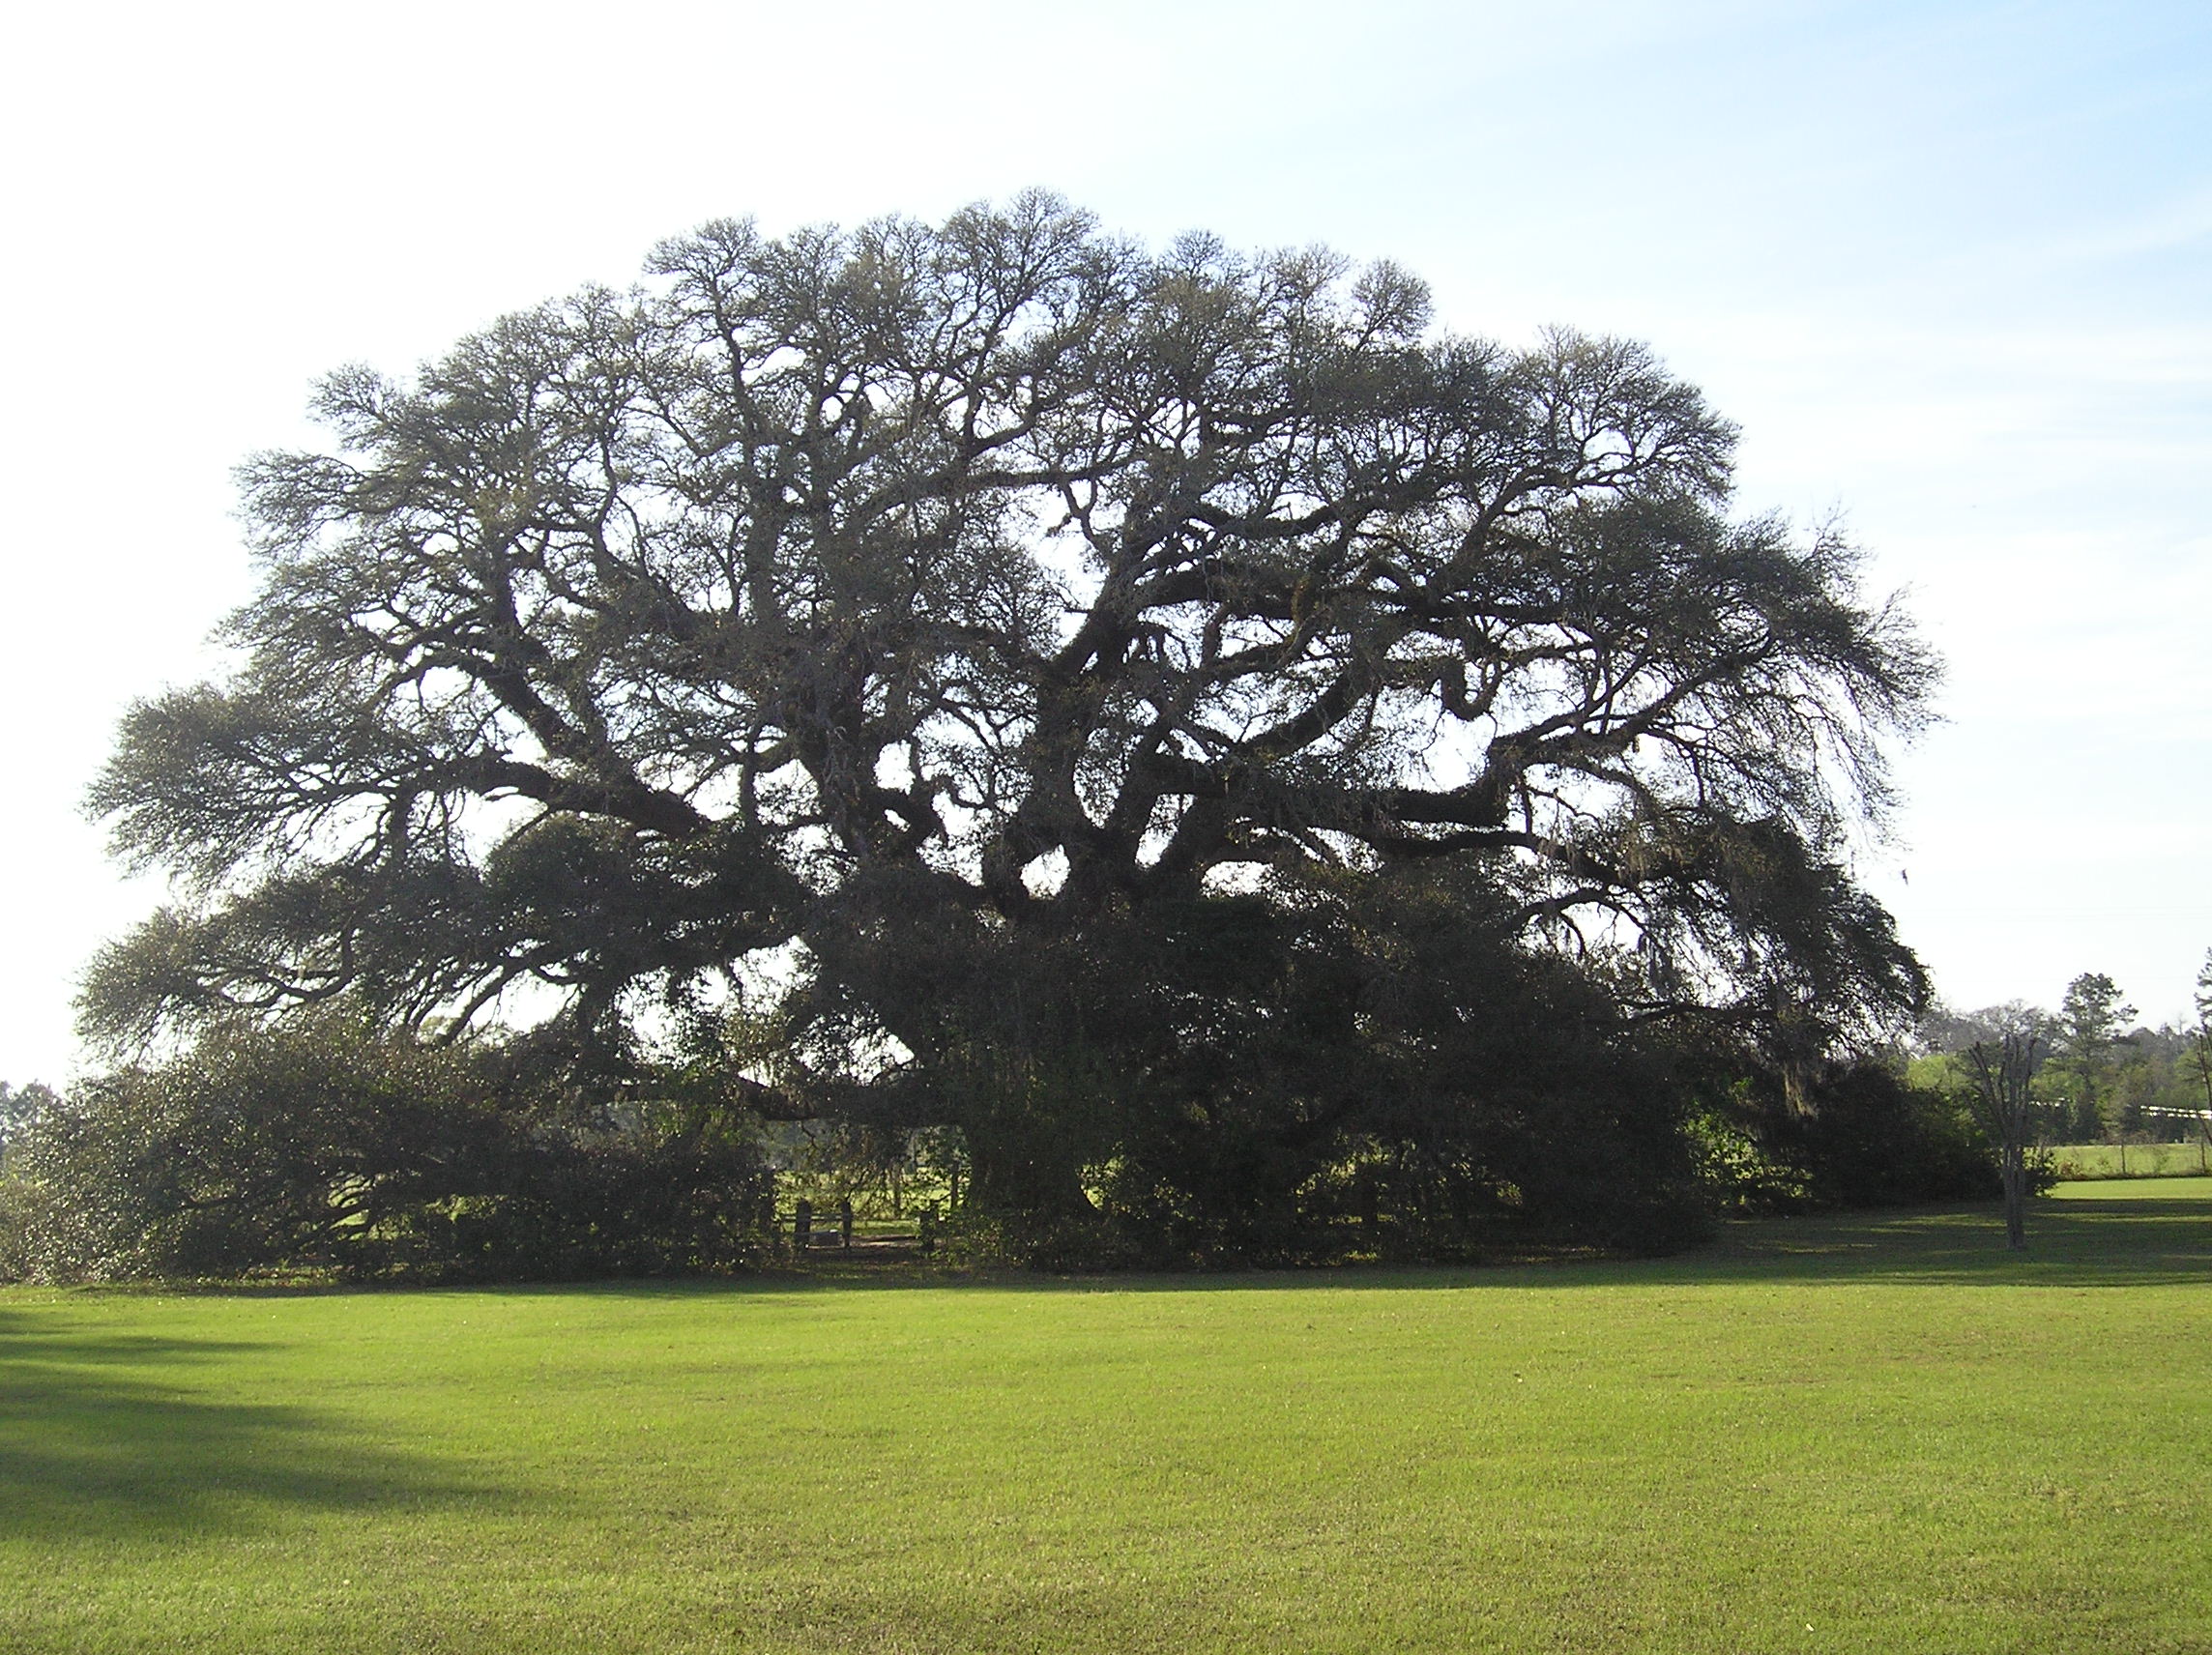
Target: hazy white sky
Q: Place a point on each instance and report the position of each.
(1949, 265)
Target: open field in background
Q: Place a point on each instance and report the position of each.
(2133, 1160)
(2134, 1189)
(1875, 1433)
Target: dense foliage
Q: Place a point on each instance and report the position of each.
(323, 1149)
(1868, 1137)
(1252, 767)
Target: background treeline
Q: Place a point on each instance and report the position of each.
(2098, 1080)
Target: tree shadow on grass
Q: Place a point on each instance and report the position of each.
(2070, 1245)
(91, 1447)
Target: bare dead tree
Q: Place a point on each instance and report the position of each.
(2005, 1066)
(2201, 1043)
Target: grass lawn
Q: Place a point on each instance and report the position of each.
(1868, 1434)
(2133, 1160)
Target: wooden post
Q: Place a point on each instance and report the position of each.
(802, 1225)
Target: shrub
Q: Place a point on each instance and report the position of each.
(364, 1157)
(1871, 1139)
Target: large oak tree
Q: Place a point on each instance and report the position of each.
(967, 674)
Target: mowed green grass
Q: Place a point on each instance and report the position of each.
(2132, 1188)
(2133, 1160)
(1877, 1435)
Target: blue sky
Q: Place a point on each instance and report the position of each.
(1950, 267)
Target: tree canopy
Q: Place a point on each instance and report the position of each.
(2091, 1019)
(996, 674)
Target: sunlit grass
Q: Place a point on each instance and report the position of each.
(2132, 1188)
(2133, 1160)
(1877, 1433)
